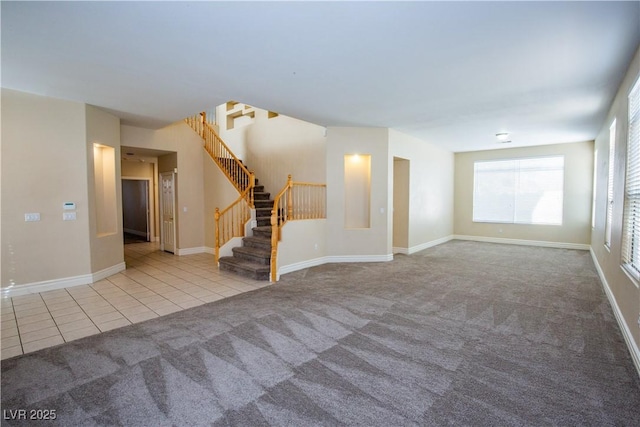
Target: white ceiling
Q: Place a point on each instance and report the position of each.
(451, 73)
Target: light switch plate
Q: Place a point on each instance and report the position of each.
(32, 217)
(68, 216)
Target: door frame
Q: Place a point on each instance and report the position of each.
(161, 193)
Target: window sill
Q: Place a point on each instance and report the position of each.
(631, 276)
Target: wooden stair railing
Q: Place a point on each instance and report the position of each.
(231, 220)
(232, 167)
(296, 201)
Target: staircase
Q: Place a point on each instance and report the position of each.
(253, 258)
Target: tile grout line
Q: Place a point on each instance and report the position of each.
(15, 316)
(50, 315)
(87, 314)
(54, 319)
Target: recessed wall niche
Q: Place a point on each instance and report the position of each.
(104, 170)
(357, 190)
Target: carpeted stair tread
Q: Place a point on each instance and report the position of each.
(264, 204)
(263, 212)
(245, 268)
(262, 231)
(257, 255)
(257, 242)
(261, 195)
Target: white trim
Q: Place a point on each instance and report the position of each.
(624, 328)
(560, 245)
(432, 243)
(331, 259)
(191, 251)
(208, 250)
(66, 282)
(422, 246)
(109, 271)
(359, 258)
(300, 266)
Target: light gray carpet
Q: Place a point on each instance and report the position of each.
(464, 333)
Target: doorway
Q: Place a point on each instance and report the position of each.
(401, 183)
(136, 211)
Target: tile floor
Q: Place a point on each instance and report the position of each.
(154, 284)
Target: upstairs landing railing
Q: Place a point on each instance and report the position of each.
(296, 201)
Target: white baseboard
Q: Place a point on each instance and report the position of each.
(191, 251)
(208, 250)
(331, 259)
(430, 244)
(626, 332)
(109, 271)
(65, 282)
(359, 258)
(300, 266)
(422, 246)
(559, 245)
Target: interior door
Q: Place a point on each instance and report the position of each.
(168, 202)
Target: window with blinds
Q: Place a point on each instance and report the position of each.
(631, 226)
(519, 191)
(612, 156)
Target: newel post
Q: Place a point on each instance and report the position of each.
(204, 120)
(289, 198)
(252, 184)
(216, 216)
(275, 232)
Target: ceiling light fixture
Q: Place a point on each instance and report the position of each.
(502, 136)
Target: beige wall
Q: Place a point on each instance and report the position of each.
(44, 164)
(375, 240)
(303, 242)
(135, 169)
(275, 147)
(625, 290)
(234, 138)
(578, 182)
(107, 250)
(181, 139)
(430, 188)
(283, 145)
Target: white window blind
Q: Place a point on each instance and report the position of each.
(631, 234)
(612, 156)
(519, 191)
